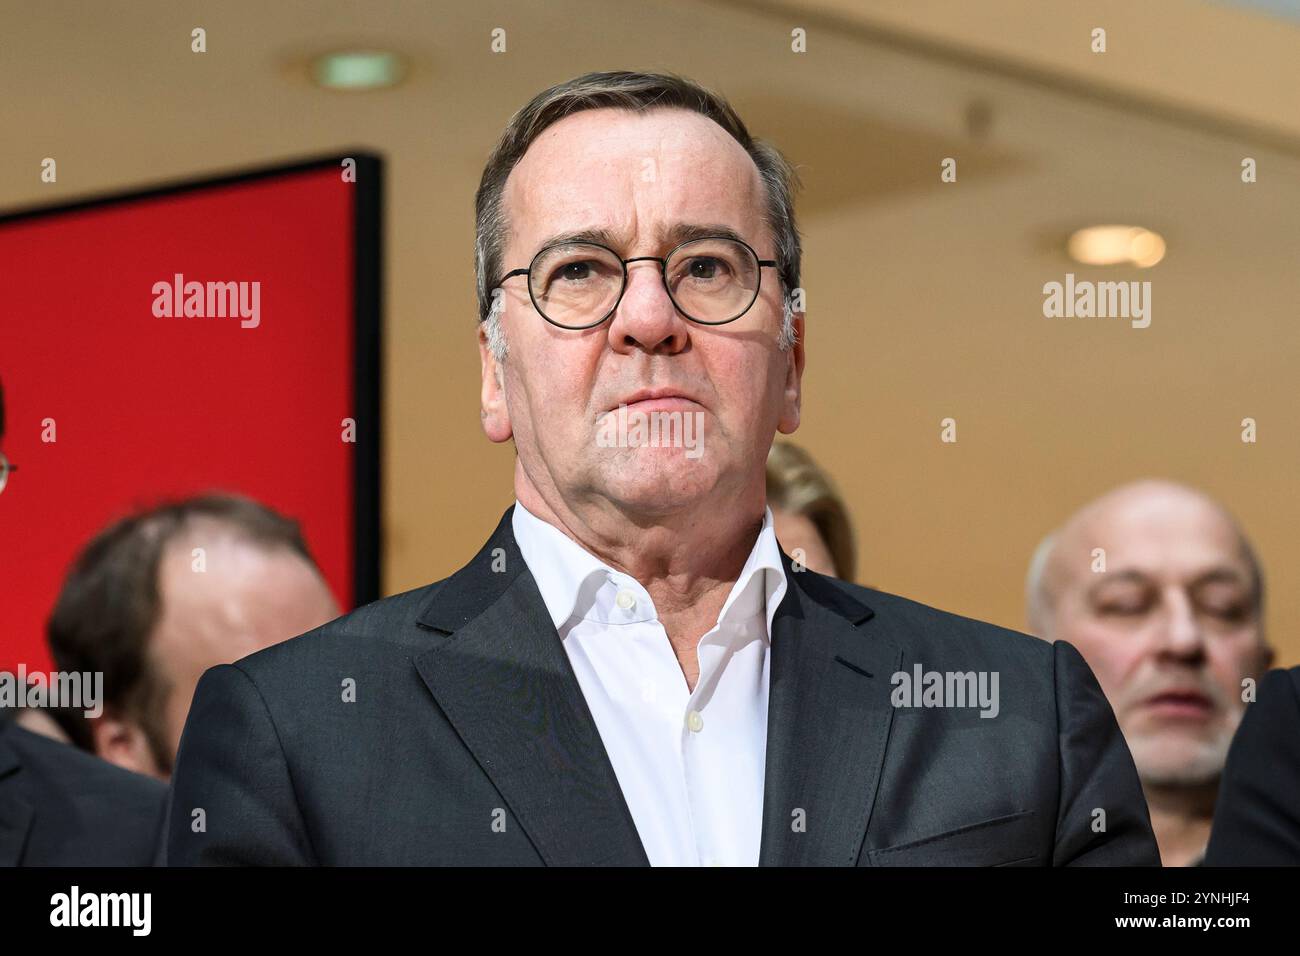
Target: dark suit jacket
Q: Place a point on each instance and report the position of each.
(467, 714)
(1257, 817)
(60, 806)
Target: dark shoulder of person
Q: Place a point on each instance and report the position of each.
(1257, 816)
(64, 807)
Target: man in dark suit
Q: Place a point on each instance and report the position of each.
(631, 670)
(62, 807)
(1257, 818)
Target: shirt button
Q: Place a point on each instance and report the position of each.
(695, 721)
(626, 600)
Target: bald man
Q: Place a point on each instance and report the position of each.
(1158, 588)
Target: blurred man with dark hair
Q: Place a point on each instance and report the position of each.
(159, 597)
(1159, 589)
(61, 807)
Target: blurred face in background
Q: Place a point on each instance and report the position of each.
(247, 598)
(1171, 627)
(801, 540)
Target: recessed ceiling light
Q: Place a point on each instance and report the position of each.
(1116, 245)
(353, 70)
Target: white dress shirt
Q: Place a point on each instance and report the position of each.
(690, 764)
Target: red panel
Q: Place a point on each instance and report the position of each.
(149, 407)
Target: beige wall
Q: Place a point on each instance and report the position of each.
(924, 299)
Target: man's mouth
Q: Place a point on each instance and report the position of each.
(1180, 705)
(658, 400)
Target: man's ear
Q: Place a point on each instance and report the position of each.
(492, 398)
(792, 396)
(122, 741)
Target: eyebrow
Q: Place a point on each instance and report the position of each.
(1222, 575)
(1128, 577)
(667, 238)
(1212, 576)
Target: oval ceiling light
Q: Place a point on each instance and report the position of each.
(355, 70)
(1116, 245)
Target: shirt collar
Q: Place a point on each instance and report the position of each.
(573, 582)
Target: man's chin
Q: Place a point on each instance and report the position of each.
(659, 491)
(654, 503)
(1180, 760)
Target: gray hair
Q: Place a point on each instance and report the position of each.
(640, 92)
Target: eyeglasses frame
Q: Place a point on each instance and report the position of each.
(663, 274)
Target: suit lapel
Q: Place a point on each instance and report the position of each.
(829, 716)
(16, 813)
(504, 681)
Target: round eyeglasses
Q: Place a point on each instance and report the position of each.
(578, 285)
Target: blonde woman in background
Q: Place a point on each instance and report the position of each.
(808, 512)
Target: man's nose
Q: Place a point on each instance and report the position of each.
(1180, 634)
(645, 318)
